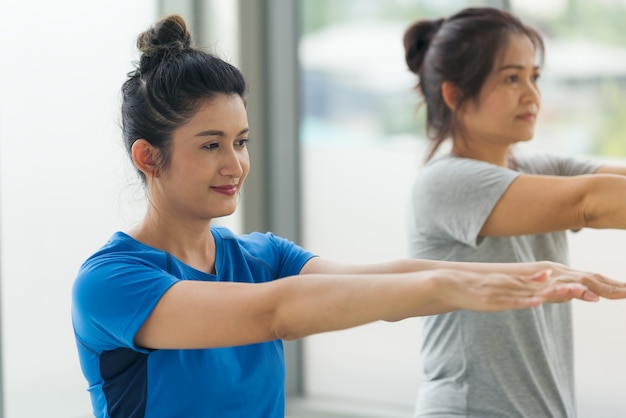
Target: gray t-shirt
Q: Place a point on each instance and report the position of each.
(506, 364)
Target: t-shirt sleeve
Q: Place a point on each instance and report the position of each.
(556, 165)
(270, 256)
(289, 258)
(113, 297)
(452, 198)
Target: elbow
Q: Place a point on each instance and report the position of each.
(584, 218)
(588, 212)
(584, 207)
(290, 324)
(393, 319)
(281, 332)
(286, 330)
(602, 204)
(288, 337)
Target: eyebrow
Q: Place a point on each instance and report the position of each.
(215, 132)
(515, 67)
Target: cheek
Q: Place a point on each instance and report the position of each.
(497, 104)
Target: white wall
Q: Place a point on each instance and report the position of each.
(65, 182)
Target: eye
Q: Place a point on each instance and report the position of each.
(536, 77)
(242, 142)
(211, 146)
(513, 78)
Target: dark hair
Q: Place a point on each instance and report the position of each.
(462, 50)
(171, 80)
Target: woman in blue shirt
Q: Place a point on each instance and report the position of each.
(179, 318)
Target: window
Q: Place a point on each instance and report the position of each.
(362, 145)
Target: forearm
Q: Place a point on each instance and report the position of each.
(408, 265)
(319, 303)
(322, 303)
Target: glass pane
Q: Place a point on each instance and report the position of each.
(583, 108)
(361, 147)
(362, 144)
(584, 79)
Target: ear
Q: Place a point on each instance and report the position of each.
(451, 95)
(144, 157)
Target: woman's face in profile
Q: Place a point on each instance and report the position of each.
(209, 161)
(506, 109)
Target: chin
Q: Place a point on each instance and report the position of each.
(226, 212)
(526, 137)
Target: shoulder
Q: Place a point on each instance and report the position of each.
(455, 175)
(537, 162)
(121, 265)
(261, 245)
(263, 248)
(252, 242)
(116, 289)
(122, 250)
(450, 167)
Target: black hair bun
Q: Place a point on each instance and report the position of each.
(168, 37)
(417, 39)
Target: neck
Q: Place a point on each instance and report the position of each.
(493, 154)
(189, 241)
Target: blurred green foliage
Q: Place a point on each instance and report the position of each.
(596, 21)
(612, 133)
(318, 13)
(601, 21)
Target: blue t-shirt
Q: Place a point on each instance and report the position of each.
(114, 293)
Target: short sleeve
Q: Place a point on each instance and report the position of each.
(280, 256)
(452, 198)
(112, 297)
(292, 256)
(555, 164)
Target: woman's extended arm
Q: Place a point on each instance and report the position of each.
(535, 204)
(597, 284)
(212, 314)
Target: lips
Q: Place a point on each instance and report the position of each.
(529, 117)
(229, 190)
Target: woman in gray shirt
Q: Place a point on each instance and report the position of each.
(478, 74)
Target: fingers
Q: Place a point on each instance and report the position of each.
(541, 276)
(605, 287)
(505, 292)
(537, 293)
(566, 292)
(596, 285)
(589, 296)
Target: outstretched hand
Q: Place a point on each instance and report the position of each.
(498, 291)
(558, 290)
(595, 283)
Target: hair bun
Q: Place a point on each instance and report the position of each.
(169, 36)
(417, 39)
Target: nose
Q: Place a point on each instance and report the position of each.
(532, 93)
(232, 163)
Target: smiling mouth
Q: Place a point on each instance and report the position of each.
(227, 190)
